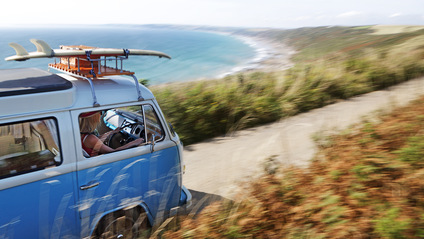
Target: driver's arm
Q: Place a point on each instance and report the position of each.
(112, 132)
(97, 145)
(99, 148)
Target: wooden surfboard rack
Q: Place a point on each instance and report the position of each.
(90, 66)
(85, 62)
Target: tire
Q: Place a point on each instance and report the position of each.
(124, 224)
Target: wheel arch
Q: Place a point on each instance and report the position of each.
(98, 220)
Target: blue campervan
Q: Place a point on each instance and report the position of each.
(52, 183)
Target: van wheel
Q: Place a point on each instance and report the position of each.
(124, 225)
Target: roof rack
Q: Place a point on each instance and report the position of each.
(84, 61)
(89, 65)
(90, 80)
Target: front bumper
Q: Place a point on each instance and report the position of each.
(185, 198)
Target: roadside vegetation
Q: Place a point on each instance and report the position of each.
(331, 64)
(366, 182)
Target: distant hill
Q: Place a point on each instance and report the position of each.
(332, 63)
(317, 42)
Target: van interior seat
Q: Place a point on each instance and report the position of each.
(8, 145)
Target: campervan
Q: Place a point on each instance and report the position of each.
(85, 150)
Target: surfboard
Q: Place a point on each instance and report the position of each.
(82, 60)
(45, 51)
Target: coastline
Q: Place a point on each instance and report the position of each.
(270, 55)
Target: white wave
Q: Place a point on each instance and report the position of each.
(262, 53)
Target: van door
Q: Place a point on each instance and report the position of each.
(37, 173)
(148, 174)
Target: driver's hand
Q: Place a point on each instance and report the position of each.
(117, 130)
(138, 141)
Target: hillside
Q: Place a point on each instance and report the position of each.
(317, 42)
(365, 182)
(332, 64)
(328, 42)
(359, 184)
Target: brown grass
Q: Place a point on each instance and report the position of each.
(358, 186)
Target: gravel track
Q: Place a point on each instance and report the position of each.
(217, 166)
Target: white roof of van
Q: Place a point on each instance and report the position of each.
(20, 94)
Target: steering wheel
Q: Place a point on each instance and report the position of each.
(119, 139)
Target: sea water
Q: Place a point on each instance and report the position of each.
(195, 54)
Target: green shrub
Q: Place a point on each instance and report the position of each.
(413, 152)
(205, 109)
(335, 174)
(390, 225)
(145, 82)
(364, 172)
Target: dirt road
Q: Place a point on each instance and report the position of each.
(216, 166)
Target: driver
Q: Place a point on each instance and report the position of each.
(91, 144)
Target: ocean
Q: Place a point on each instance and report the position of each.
(195, 54)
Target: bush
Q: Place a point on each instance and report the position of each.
(201, 110)
(354, 190)
(390, 225)
(413, 152)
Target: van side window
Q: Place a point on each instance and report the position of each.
(117, 127)
(28, 146)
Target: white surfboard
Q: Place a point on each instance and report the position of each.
(45, 51)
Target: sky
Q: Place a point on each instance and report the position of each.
(234, 13)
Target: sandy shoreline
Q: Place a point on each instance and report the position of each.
(278, 58)
(270, 56)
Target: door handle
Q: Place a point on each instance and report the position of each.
(85, 187)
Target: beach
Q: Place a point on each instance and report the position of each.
(272, 55)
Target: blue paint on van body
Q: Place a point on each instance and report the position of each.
(43, 209)
(152, 179)
(47, 208)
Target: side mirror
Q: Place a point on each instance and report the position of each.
(172, 129)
